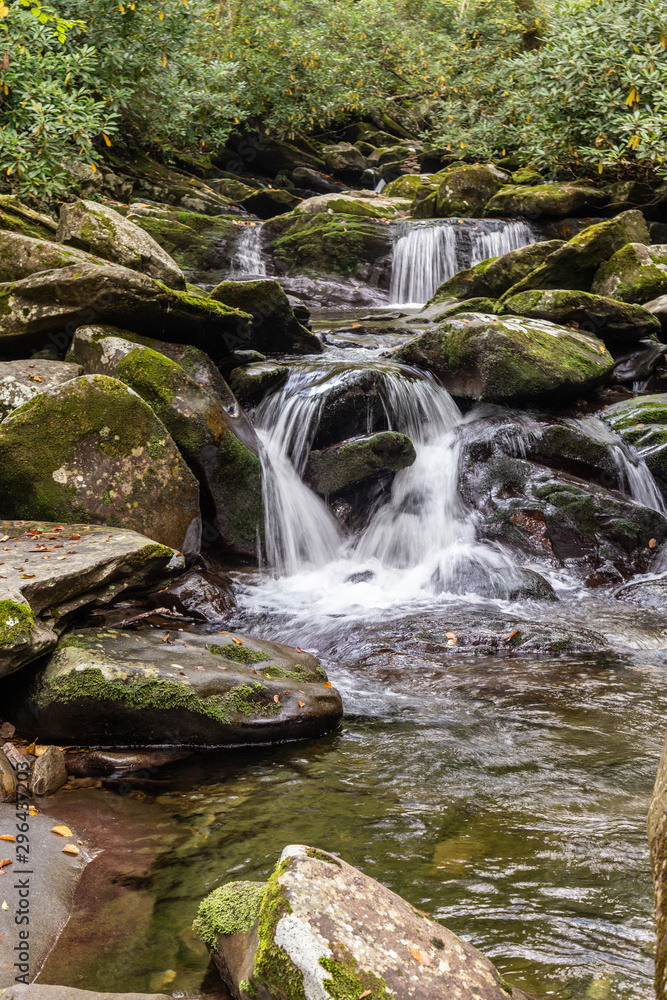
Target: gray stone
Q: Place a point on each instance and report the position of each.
(21, 380)
(21, 256)
(48, 772)
(39, 992)
(252, 382)
(349, 462)
(7, 779)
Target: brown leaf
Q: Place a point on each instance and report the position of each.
(301, 704)
(276, 698)
(652, 543)
(510, 635)
(5, 60)
(421, 956)
(366, 993)
(5, 538)
(5, 862)
(237, 641)
(62, 831)
(451, 635)
(74, 538)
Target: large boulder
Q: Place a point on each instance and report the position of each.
(657, 838)
(200, 423)
(275, 328)
(92, 226)
(91, 450)
(616, 323)
(375, 207)
(269, 202)
(642, 423)
(122, 688)
(15, 217)
(465, 190)
(509, 359)
(21, 380)
(574, 265)
(320, 928)
(58, 301)
(635, 273)
(202, 245)
(658, 307)
(331, 244)
(554, 200)
(344, 160)
(358, 459)
(21, 256)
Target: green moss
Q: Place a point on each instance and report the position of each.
(297, 673)
(245, 986)
(272, 963)
(73, 641)
(313, 852)
(231, 909)
(203, 303)
(328, 243)
(151, 551)
(17, 623)
(348, 981)
(5, 293)
(240, 654)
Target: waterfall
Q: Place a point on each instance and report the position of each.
(248, 260)
(428, 253)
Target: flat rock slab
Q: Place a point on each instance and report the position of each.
(51, 878)
(111, 688)
(50, 569)
(21, 380)
(35, 992)
(321, 929)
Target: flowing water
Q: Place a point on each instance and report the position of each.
(248, 260)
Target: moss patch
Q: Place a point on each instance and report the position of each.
(231, 909)
(240, 654)
(297, 673)
(17, 623)
(338, 244)
(312, 852)
(272, 963)
(348, 981)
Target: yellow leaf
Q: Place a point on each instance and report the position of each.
(121, 8)
(164, 59)
(62, 831)
(93, 167)
(632, 97)
(3, 10)
(106, 138)
(7, 836)
(634, 142)
(161, 15)
(71, 849)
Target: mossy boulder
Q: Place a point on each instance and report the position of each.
(635, 273)
(575, 264)
(91, 450)
(23, 637)
(58, 301)
(15, 217)
(227, 469)
(642, 422)
(376, 207)
(554, 200)
(251, 383)
(119, 688)
(329, 244)
(527, 175)
(465, 190)
(98, 229)
(21, 256)
(21, 380)
(358, 459)
(233, 188)
(508, 359)
(616, 323)
(321, 928)
(408, 186)
(202, 245)
(275, 328)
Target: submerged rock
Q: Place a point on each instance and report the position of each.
(645, 593)
(554, 200)
(340, 465)
(123, 689)
(91, 450)
(320, 928)
(275, 328)
(508, 359)
(21, 380)
(635, 273)
(481, 635)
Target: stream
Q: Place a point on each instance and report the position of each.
(507, 796)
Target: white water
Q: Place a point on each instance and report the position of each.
(426, 254)
(248, 260)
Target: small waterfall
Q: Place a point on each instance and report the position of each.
(428, 253)
(248, 260)
(380, 186)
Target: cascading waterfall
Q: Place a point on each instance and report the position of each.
(428, 253)
(248, 260)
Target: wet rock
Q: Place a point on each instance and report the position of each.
(465, 190)
(21, 256)
(97, 763)
(201, 245)
(123, 689)
(251, 383)
(373, 207)
(49, 772)
(344, 160)
(7, 780)
(353, 406)
(337, 467)
(640, 364)
(508, 359)
(321, 928)
(111, 461)
(614, 322)
(52, 885)
(554, 200)
(200, 592)
(658, 307)
(59, 300)
(86, 564)
(645, 593)
(657, 838)
(15, 217)
(332, 244)
(313, 180)
(479, 635)
(635, 273)
(409, 186)
(98, 229)
(39, 992)
(642, 422)
(274, 328)
(575, 264)
(225, 462)
(21, 380)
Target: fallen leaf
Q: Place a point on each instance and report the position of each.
(4, 904)
(7, 836)
(31, 748)
(421, 956)
(27, 576)
(451, 635)
(74, 538)
(5, 538)
(73, 849)
(237, 641)
(301, 704)
(298, 649)
(62, 831)
(652, 543)
(276, 698)
(327, 684)
(165, 637)
(5, 862)
(640, 425)
(366, 993)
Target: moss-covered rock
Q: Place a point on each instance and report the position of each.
(91, 450)
(574, 265)
(614, 322)
(330, 244)
(465, 190)
(635, 273)
(269, 202)
(275, 328)
(98, 229)
(15, 217)
(554, 200)
(408, 186)
(23, 638)
(341, 465)
(21, 256)
(505, 360)
(21, 380)
(642, 422)
(321, 928)
(344, 160)
(202, 245)
(375, 207)
(527, 175)
(119, 688)
(251, 383)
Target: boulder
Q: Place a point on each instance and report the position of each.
(98, 229)
(344, 160)
(409, 185)
(117, 688)
(657, 838)
(200, 593)
(320, 928)
(353, 406)
(616, 323)
(465, 190)
(275, 328)
(21, 256)
(635, 273)
(250, 383)
(376, 207)
(15, 217)
(21, 380)
(60, 300)
(332, 244)
(314, 180)
(495, 275)
(574, 265)
(202, 245)
(554, 200)
(232, 187)
(111, 461)
(49, 772)
(658, 307)
(341, 465)
(509, 359)
(642, 423)
(201, 425)
(527, 175)
(50, 570)
(7, 779)
(269, 202)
